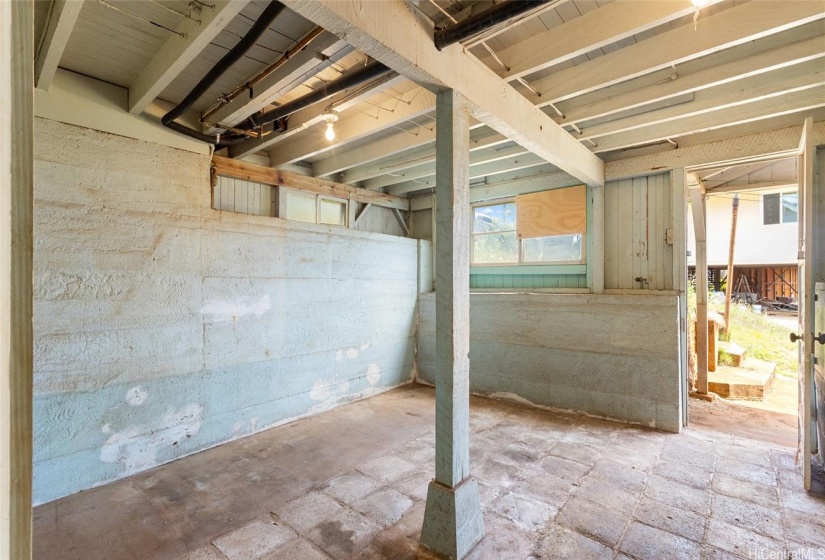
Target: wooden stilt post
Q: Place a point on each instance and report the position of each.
(697, 197)
(453, 522)
(729, 281)
(16, 123)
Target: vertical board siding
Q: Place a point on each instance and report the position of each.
(527, 281)
(637, 215)
(245, 197)
(380, 220)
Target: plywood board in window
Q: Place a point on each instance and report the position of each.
(554, 212)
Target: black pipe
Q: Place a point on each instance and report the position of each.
(351, 80)
(235, 54)
(474, 25)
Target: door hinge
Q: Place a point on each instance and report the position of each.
(800, 255)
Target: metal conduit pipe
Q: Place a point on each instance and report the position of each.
(255, 32)
(474, 25)
(351, 80)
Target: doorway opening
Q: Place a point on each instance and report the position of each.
(751, 213)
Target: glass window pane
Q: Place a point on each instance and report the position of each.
(500, 217)
(495, 248)
(770, 208)
(558, 248)
(300, 207)
(333, 212)
(789, 207)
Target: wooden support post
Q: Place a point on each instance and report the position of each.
(453, 522)
(596, 257)
(729, 281)
(698, 209)
(16, 200)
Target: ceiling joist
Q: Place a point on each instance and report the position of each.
(615, 22)
(62, 17)
(801, 100)
(395, 34)
(179, 51)
(747, 22)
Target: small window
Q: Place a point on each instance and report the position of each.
(333, 212)
(312, 208)
(540, 228)
(494, 234)
(780, 208)
(301, 207)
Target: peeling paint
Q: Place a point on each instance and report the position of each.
(373, 374)
(352, 353)
(226, 311)
(135, 449)
(136, 396)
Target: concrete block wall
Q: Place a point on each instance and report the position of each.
(610, 356)
(163, 327)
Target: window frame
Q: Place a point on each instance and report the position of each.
(781, 221)
(520, 262)
(283, 205)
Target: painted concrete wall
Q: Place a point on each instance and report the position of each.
(610, 356)
(756, 243)
(163, 327)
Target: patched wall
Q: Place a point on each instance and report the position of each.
(163, 327)
(610, 356)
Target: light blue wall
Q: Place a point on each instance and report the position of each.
(611, 356)
(163, 327)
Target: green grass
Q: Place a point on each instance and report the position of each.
(761, 338)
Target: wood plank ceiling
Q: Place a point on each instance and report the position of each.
(620, 76)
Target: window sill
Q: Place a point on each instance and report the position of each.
(529, 269)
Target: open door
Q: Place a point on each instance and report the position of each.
(818, 388)
(807, 402)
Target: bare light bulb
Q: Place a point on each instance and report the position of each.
(330, 117)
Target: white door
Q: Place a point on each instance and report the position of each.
(819, 365)
(807, 404)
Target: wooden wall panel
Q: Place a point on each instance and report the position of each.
(637, 217)
(553, 212)
(246, 197)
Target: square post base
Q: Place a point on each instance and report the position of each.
(453, 521)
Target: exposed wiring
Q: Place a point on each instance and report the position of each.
(495, 57)
(141, 18)
(443, 11)
(174, 11)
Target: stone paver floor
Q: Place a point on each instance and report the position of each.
(559, 486)
(553, 486)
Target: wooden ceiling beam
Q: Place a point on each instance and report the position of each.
(397, 35)
(803, 100)
(604, 26)
(682, 82)
(323, 51)
(354, 127)
(427, 169)
(410, 161)
(61, 20)
(477, 171)
(179, 51)
(720, 98)
(759, 146)
(735, 26)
